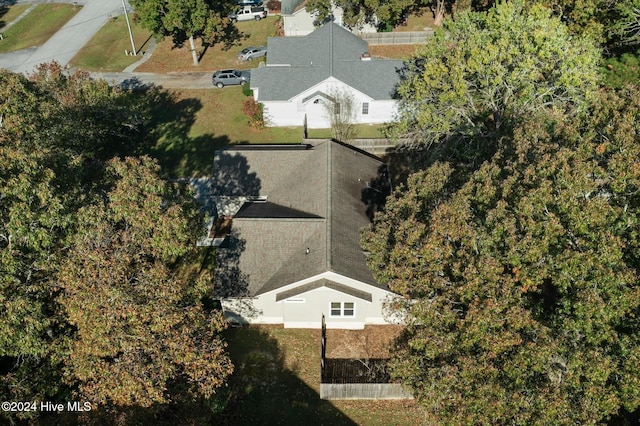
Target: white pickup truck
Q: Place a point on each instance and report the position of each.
(248, 13)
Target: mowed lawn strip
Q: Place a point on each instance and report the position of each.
(10, 13)
(37, 26)
(106, 49)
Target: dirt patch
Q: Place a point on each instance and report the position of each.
(372, 342)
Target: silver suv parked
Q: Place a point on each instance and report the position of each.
(230, 77)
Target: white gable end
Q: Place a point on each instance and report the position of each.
(346, 303)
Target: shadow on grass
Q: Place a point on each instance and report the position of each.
(263, 390)
(168, 137)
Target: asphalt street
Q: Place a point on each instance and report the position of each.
(63, 46)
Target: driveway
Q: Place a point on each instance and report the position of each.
(173, 80)
(64, 44)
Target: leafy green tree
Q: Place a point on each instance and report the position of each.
(141, 325)
(521, 281)
(57, 130)
(182, 19)
(359, 12)
(627, 25)
(485, 72)
(622, 71)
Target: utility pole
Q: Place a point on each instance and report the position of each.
(126, 16)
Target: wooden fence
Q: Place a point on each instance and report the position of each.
(404, 37)
(363, 391)
(355, 378)
(373, 146)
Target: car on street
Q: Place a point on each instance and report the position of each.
(230, 78)
(249, 2)
(249, 53)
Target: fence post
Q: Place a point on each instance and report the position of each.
(323, 347)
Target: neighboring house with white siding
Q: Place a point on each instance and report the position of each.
(301, 22)
(302, 73)
(292, 252)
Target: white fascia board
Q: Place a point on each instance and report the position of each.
(331, 276)
(331, 81)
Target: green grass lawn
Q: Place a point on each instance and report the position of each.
(105, 51)
(37, 26)
(189, 125)
(9, 13)
(277, 381)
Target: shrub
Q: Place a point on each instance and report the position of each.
(253, 110)
(274, 5)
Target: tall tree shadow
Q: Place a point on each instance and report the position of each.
(168, 136)
(263, 390)
(374, 196)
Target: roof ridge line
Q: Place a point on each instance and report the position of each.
(331, 49)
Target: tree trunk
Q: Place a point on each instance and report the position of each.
(192, 45)
(438, 13)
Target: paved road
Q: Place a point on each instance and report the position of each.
(64, 44)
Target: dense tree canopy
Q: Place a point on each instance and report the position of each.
(78, 231)
(488, 71)
(522, 280)
(516, 242)
(140, 324)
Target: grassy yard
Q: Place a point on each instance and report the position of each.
(190, 125)
(105, 50)
(418, 21)
(277, 381)
(9, 13)
(37, 26)
(167, 58)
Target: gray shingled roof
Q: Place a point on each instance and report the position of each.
(295, 64)
(318, 191)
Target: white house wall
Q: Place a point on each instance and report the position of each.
(300, 23)
(292, 112)
(306, 309)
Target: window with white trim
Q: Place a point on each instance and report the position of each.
(343, 309)
(365, 108)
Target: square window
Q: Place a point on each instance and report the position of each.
(349, 309)
(343, 309)
(365, 108)
(336, 309)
